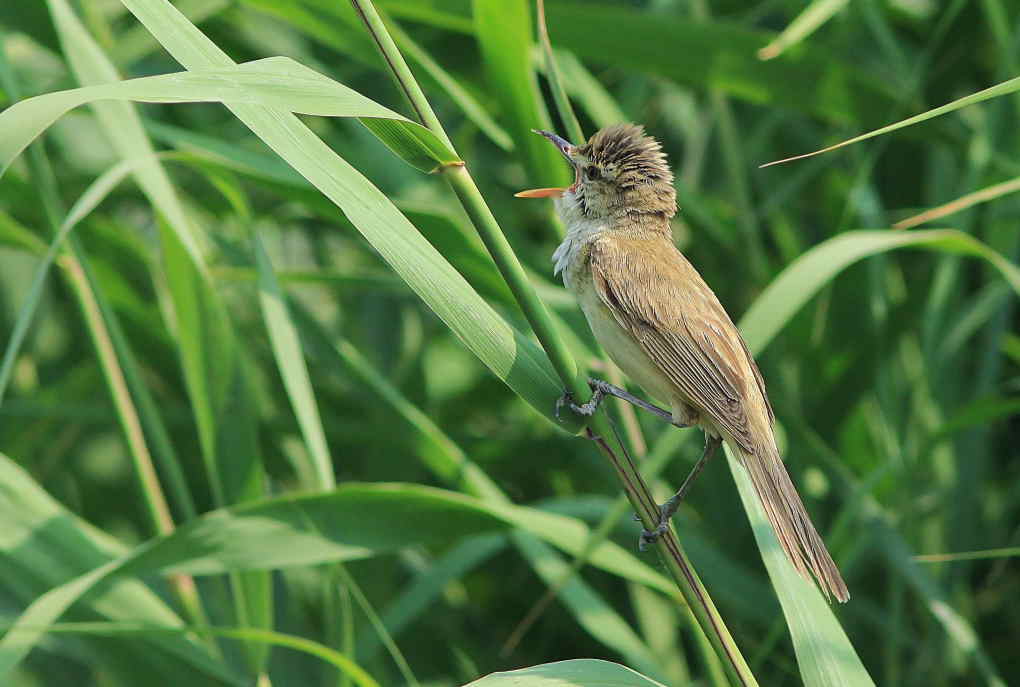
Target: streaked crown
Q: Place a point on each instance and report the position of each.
(625, 170)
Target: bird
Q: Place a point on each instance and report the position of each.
(664, 327)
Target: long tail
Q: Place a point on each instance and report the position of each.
(791, 522)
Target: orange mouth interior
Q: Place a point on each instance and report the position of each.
(541, 193)
(550, 192)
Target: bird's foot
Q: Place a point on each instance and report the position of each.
(666, 511)
(585, 409)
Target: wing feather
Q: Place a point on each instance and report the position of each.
(660, 299)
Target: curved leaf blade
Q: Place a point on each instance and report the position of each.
(277, 82)
(799, 282)
(825, 656)
(582, 672)
(1004, 88)
(354, 521)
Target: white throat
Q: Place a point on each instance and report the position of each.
(581, 230)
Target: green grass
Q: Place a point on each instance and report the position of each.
(270, 412)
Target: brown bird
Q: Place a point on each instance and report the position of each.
(664, 327)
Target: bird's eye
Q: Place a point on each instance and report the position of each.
(592, 173)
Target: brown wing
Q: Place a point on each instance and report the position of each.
(656, 295)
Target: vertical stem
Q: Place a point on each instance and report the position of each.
(541, 323)
(569, 119)
(399, 70)
(81, 284)
(155, 501)
(506, 260)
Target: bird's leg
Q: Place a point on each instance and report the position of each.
(600, 389)
(667, 509)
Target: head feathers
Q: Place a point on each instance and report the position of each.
(635, 156)
(637, 178)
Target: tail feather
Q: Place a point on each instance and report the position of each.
(791, 522)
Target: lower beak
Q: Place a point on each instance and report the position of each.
(564, 146)
(541, 193)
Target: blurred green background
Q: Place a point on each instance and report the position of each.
(896, 387)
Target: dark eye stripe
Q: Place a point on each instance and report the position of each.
(592, 172)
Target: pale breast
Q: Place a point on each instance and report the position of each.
(570, 261)
(621, 346)
(570, 255)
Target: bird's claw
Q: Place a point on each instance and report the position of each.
(649, 536)
(567, 399)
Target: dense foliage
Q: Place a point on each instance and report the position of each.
(215, 315)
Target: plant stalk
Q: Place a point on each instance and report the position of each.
(559, 93)
(76, 272)
(598, 428)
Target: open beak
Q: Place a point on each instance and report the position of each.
(564, 146)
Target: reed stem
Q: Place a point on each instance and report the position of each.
(598, 428)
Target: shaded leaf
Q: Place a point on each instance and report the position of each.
(582, 672)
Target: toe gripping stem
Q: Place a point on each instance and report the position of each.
(598, 392)
(649, 536)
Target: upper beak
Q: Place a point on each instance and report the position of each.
(562, 145)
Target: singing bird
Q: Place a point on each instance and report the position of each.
(664, 327)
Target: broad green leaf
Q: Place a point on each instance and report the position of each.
(580, 672)
(799, 282)
(342, 663)
(352, 522)
(43, 545)
(273, 82)
(509, 354)
(449, 462)
(213, 369)
(503, 28)
(825, 655)
(1003, 88)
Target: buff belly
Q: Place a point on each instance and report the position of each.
(628, 355)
